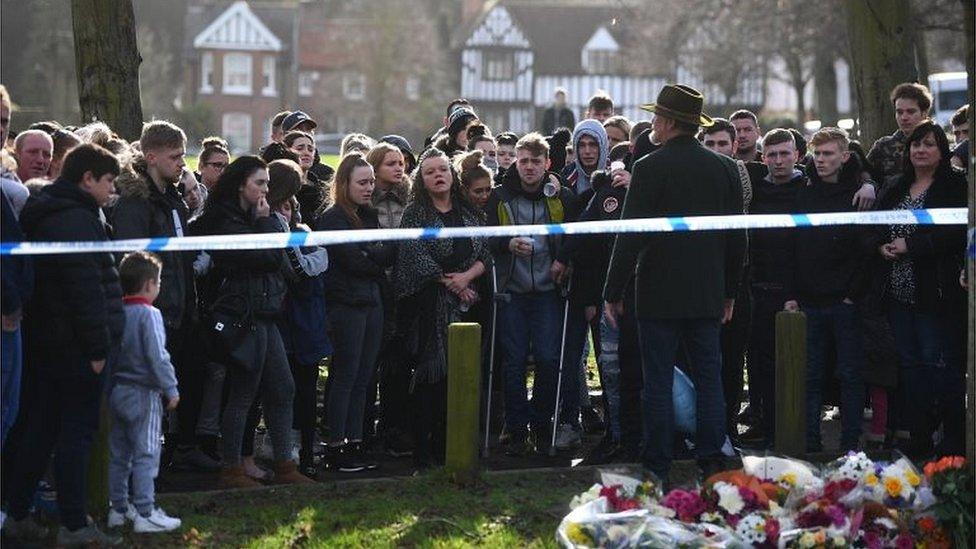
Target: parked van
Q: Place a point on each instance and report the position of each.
(949, 92)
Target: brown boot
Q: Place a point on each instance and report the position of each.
(286, 472)
(233, 476)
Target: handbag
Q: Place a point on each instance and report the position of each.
(232, 335)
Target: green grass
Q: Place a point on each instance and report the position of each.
(507, 510)
(328, 159)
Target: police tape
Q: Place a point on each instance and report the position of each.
(941, 216)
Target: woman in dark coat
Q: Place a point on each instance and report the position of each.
(250, 293)
(352, 286)
(434, 281)
(919, 267)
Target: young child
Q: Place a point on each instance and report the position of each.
(142, 377)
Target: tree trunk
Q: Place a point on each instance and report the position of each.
(799, 86)
(107, 64)
(969, 13)
(825, 87)
(922, 57)
(882, 56)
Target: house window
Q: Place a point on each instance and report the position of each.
(354, 86)
(306, 83)
(498, 65)
(206, 72)
(236, 129)
(268, 71)
(600, 61)
(412, 88)
(237, 74)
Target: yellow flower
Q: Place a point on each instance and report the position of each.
(871, 479)
(577, 534)
(789, 478)
(912, 478)
(892, 486)
(807, 540)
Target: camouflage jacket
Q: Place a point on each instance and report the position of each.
(885, 158)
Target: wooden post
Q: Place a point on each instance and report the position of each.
(791, 371)
(463, 400)
(97, 480)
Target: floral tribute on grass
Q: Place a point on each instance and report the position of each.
(780, 502)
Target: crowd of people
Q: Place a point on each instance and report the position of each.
(198, 351)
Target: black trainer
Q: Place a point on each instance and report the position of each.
(358, 449)
(516, 444)
(342, 459)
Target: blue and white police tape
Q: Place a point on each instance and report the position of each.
(944, 216)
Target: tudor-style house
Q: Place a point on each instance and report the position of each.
(519, 51)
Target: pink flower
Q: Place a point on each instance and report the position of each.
(772, 530)
(837, 515)
(904, 541)
(686, 504)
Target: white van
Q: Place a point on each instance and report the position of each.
(949, 92)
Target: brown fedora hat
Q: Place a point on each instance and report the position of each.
(681, 103)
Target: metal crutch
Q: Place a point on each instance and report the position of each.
(491, 355)
(559, 377)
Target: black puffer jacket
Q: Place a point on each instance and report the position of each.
(354, 268)
(143, 211)
(253, 274)
(75, 315)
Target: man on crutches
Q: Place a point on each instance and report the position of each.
(533, 313)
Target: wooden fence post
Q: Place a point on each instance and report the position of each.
(791, 371)
(463, 400)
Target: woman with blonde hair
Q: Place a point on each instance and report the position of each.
(392, 190)
(352, 289)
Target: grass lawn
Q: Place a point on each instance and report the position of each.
(507, 510)
(328, 159)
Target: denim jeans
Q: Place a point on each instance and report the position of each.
(836, 324)
(919, 340)
(534, 318)
(610, 374)
(659, 341)
(11, 353)
(574, 364)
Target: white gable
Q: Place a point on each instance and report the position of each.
(498, 29)
(601, 40)
(238, 29)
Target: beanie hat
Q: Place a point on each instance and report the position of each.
(459, 119)
(401, 143)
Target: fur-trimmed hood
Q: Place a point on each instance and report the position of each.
(400, 192)
(134, 180)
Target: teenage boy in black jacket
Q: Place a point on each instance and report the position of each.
(830, 275)
(74, 324)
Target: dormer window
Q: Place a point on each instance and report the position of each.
(601, 53)
(600, 61)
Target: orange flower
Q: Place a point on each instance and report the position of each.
(927, 524)
(949, 462)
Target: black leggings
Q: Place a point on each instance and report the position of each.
(306, 388)
(430, 421)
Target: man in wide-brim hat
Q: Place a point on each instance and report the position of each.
(685, 282)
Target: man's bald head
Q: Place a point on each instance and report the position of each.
(33, 149)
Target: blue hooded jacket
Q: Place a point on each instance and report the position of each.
(577, 177)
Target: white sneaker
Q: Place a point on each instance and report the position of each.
(117, 519)
(157, 521)
(567, 437)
